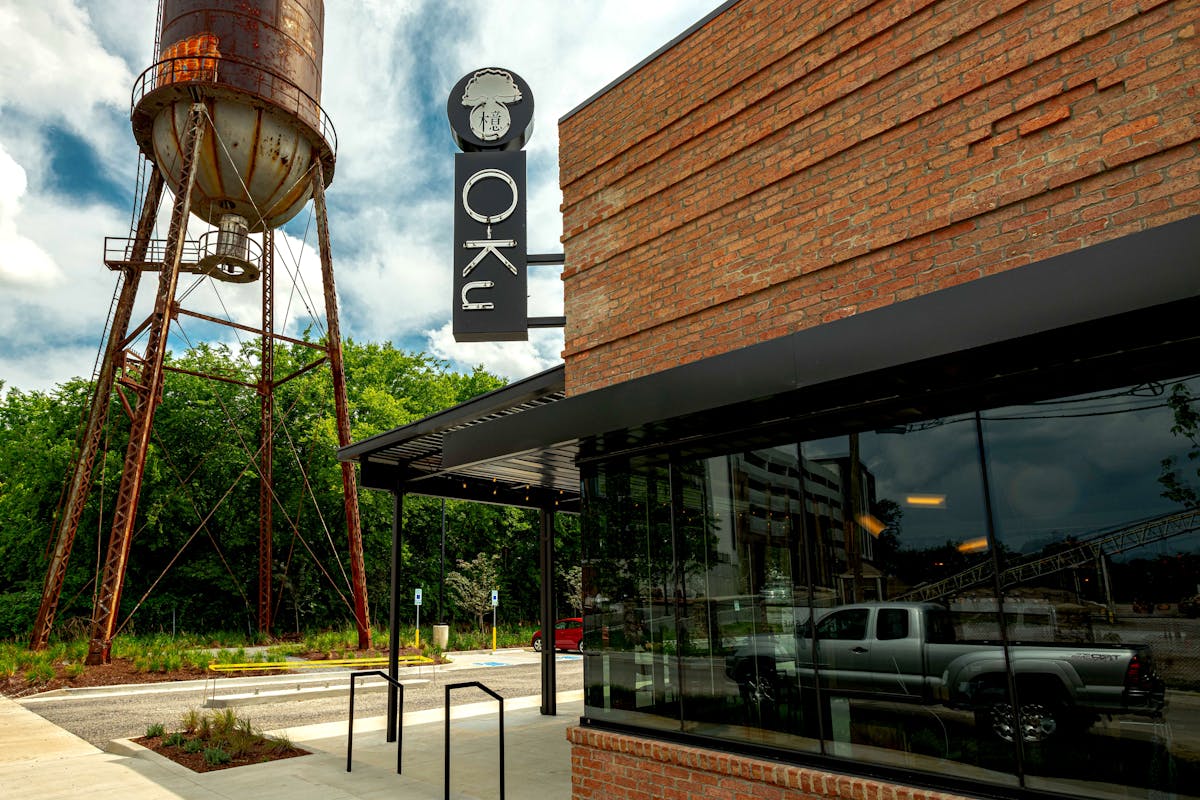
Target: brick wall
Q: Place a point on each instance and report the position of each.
(619, 767)
(791, 163)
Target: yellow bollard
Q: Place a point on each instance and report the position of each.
(493, 638)
(417, 641)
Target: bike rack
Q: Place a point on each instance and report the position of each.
(498, 699)
(400, 728)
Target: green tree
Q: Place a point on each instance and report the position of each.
(1176, 486)
(472, 584)
(194, 559)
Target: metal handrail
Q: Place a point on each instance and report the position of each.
(400, 704)
(498, 699)
(118, 252)
(269, 86)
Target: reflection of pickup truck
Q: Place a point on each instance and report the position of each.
(909, 652)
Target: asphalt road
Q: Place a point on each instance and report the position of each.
(125, 713)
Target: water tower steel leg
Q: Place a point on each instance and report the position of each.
(266, 428)
(89, 444)
(337, 368)
(108, 601)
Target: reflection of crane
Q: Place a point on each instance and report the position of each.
(1118, 541)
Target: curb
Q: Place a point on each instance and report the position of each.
(299, 693)
(131, 749)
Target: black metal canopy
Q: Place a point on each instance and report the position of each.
(409, 458)
(1124, 307)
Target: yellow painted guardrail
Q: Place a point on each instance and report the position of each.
(408, 660)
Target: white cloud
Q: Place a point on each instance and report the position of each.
(54, 61)
(512, 360)
(22, 261)
(56, 72)
(388, 66)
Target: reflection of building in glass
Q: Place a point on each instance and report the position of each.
(840, 499)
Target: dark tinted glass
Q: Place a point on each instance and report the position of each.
(1095, 499)
(853, 596)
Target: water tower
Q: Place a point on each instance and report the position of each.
(229, 118)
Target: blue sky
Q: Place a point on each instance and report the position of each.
(68, 165)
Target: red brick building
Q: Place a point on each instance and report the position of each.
(791, 163)
(881, 376)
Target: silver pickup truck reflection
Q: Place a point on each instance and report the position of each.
(909, 652)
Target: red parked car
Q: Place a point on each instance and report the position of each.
(568, 635)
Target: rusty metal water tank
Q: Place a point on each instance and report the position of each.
(256, 66)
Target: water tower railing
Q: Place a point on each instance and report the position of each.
(238, 75)
(118, 253)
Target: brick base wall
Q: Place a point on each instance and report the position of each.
(614, 765)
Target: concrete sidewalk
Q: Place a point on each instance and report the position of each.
(40, 761)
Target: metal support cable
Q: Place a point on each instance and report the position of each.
(202, 526)
(255, 456)
(261, 219)
(316, 505)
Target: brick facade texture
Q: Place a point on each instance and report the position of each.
(792, 162)
(616, 766)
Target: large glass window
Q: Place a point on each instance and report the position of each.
(899, 668)
(1010, 595)
(630, 594)
(1095, 500)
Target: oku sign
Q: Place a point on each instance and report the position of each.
(491, 117)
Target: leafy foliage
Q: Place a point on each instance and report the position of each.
(1173, 479)
(193, 565)
(472, 584)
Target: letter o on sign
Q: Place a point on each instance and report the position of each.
(483, 175)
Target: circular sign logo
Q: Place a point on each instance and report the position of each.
(490, 109)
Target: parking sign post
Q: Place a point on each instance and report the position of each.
(495, 602)
(417, 602)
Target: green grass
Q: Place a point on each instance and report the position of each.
(164, 653)
(472, 639)
(343, 643)
(41, 672)
(8, 665)
(214, 756)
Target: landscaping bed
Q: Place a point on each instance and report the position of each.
(204, 742)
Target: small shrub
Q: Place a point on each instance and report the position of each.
(40, 672)
(191, 720)
(193, 746)
(280, 743)
(214, 756)
(239, 743)
(155, 730)
(74, 669)
(8, 666)
(224, 722)
(175, 739)
(197, 659)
